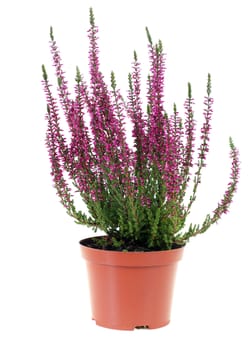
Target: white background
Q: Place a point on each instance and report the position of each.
(43, 287)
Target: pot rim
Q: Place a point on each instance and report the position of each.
(121, 258)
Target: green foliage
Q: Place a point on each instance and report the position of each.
(51, 34)
(78, 78)
(209, 87)
(92, 18)
(149, 36)
(113, 81)
(189, 90)
(135, 56)
(45, 76)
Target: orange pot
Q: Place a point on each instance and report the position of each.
(131, 289)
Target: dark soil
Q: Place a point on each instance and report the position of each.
(105, 243)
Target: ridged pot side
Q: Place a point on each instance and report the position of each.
(131, 289)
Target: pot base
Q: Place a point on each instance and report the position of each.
(131, 327)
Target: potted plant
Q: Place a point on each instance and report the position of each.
(135, 194)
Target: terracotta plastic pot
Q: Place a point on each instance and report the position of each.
(131, 289)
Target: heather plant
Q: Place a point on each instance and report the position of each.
(136, 194)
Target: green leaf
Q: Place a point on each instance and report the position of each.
(209, 85)
(45, 76)
(92, 18)
(51, 34)
(78, 75)
(135, 56)
(189, 90)
(59, 81)
(149, 36)
(113, 81)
